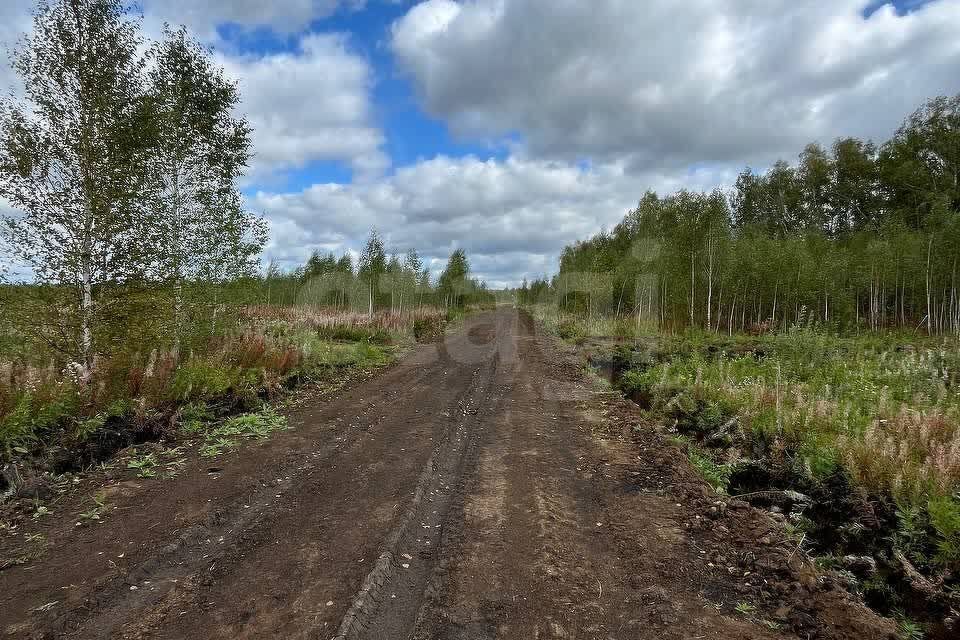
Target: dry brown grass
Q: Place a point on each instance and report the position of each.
(308, 317)
(914, 453)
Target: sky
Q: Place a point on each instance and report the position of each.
(511, 128)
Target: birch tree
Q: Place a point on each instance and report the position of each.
(412, 267)
(371, 267)
(201, 230)
(453, 280)
(73, 165)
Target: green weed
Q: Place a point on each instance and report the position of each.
(95, 513)
(945, 518)
(145, 465)
(716, 475)
(40, 511)
(200, 380)
(251, 426)
(907, 629)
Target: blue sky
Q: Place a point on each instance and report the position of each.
(511, 128)
(411, 134)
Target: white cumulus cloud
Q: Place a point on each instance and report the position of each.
(511, 216)
(668, 84)
(309, 105)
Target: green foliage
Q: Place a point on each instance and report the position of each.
(202, 380)
(346, 333)
(41, 511)
(812, 407)
(251, 426)
(828, 401)
(429, 329)
(87, 427)
(198, 151)
(41, 406)
(453, 283)
(144, 464)
(33, 415)
(95, 513)
(855, 237)
(945, 519)
(194, 417)
(716, 475)
(572, 331)
(908, 629)
(911, 536)
(151, 146)
(322, 355)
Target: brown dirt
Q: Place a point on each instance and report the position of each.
(480, 488)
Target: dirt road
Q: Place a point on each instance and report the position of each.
(480, 488)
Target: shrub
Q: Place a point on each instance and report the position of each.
(572, 330)
(34, 416)
(624, 329)
(429, 329)
(945, 519)
(199, 379)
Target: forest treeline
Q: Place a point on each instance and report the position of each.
(380, 280)
(857, 236)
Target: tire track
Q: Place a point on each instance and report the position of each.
(388, 604)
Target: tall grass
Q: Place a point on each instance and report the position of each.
(310, 317)
(888, 412)
(146, 391)
(869, 425)
(578, 327)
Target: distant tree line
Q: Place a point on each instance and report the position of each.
(379, 281)
(857, 236)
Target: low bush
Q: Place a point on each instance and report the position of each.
(199, 379)
(945, 520)
(429, 329)
(572, 330)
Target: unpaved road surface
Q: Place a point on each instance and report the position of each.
(480, 488)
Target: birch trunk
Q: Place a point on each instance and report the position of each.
(929, 299)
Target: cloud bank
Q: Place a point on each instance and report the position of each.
(595, 101)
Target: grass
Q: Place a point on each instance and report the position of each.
(884, 412)
(908, 629)
(716, 475)
(145, 465)
(577, 328)
(159, 392)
